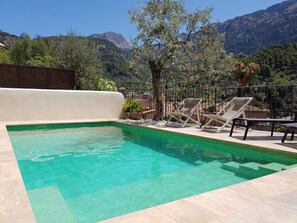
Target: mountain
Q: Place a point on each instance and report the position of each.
(114, 59)
(7, 39)
(115, 62)
(116, 38)
(249, 33)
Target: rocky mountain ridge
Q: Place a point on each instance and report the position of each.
(116, 38)
(245, 34)
(7, 39)
(249, 33)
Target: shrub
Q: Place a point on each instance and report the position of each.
(102, 84)
(132, 105)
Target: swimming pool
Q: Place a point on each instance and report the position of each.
(94, 171)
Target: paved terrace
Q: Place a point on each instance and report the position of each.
(272, 198)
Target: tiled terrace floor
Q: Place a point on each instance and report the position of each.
(272, 198)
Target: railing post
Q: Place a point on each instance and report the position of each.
(292, 103)
(215, 99)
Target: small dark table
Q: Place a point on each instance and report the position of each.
(291, 127)
(250, 121)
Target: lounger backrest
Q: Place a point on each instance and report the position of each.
(190, 105)
(235, 107)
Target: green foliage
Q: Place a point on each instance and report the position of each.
(40, 47)
(4, 56)
(163, 45)
(40, 61)
(244, 73)
(132, 105)
(79, 54)
(161, 48)
(278, 64)
(115, 62)
(27, 51)
(278, 68)
(71, 52)
(21, 51)
(103, 84)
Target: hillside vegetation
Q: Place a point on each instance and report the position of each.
(278, 64)
(267, 37)
(115, 62)
(249, 33)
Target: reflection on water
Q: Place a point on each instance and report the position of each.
(194, 149)
(41, 145)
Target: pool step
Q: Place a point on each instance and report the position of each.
(289, 167)
(232, 166)
(253, 169)
(272, 168)
(250, 166)
(49, 206)
(99, 204)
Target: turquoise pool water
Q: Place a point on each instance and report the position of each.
(95, 171)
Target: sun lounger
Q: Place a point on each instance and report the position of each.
(233, 109)
(186, 111)
(290, 127)
(251, 121)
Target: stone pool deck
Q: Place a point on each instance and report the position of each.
(272, 198)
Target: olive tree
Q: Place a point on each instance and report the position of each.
(172, 40)
(21, 50)
(79, 54)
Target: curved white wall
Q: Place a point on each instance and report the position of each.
(41, 105)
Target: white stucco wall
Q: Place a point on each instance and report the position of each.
(39, 105)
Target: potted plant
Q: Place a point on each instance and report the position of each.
(246, 72)
(133, 108)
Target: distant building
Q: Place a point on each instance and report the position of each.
(2, 45)
(122, 90)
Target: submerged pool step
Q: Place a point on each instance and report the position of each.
(232, 166)
(253, 169)
(272, 168)
(249, 170)
(289, 167)
(49, 206)
(250, 166)
(100, 204)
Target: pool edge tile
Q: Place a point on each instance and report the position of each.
(14, 201)
(266, 187)
(150, 215)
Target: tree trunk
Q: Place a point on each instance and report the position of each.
(157, 93)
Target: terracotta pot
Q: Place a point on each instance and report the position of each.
(135, 115)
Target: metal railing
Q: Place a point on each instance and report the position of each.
(267, 99)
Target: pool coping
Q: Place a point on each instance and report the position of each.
(272, 198)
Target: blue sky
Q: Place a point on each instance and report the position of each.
(54, 17)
